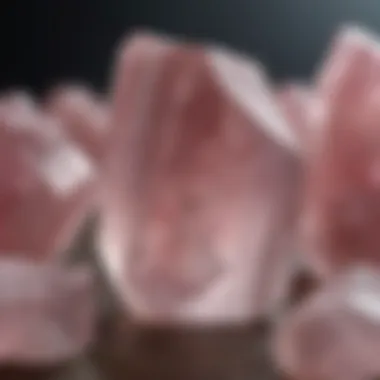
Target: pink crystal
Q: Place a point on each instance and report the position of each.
(334, 335)
(46, 313)
(85, 116)
(46, 182)
(342, 204)
(200, 187)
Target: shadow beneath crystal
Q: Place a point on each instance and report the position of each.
(143, 353)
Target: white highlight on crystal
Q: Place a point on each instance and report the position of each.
(368, 303)
(66, 170)
(364, 295)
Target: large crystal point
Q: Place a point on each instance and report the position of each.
(200, 187)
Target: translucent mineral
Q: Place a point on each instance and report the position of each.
(200, 187)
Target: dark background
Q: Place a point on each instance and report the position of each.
(46, 41)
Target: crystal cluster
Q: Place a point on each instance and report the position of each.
(214, 187)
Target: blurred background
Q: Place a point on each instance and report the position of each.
(45, 41)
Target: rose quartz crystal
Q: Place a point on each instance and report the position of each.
(85, 116)
(334, 335)
(46, 181)
(200, 188)
(46, 312)
(46, 187)
(342, 201)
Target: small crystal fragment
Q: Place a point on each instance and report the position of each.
(335, 335)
